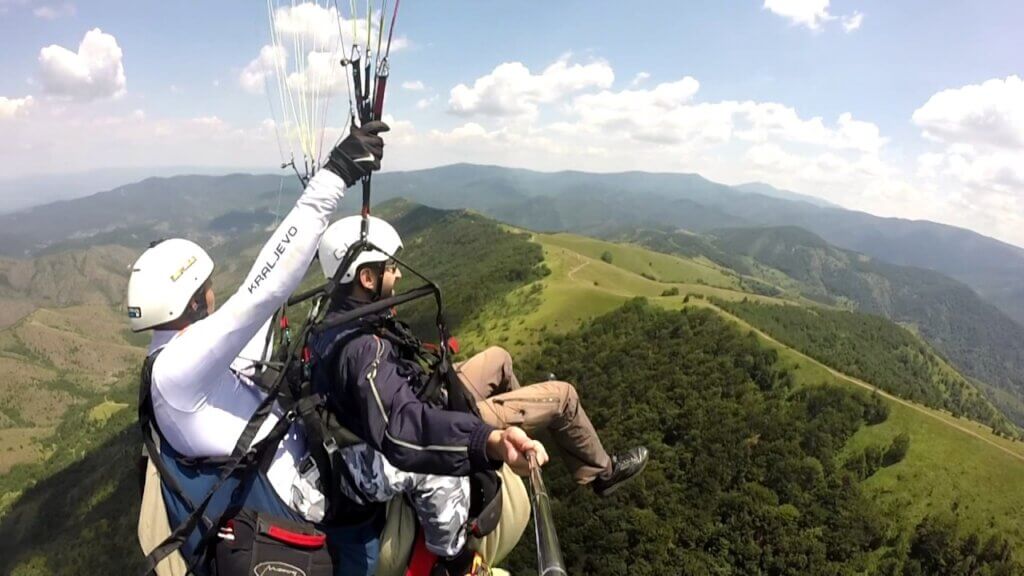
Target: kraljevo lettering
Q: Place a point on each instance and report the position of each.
(270, 264)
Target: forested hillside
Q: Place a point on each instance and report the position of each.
(980, 340)
(874, 350)
(746, 473)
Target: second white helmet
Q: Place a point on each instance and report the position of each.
(163, 281)
(344, 233)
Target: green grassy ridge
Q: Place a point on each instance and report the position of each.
(581, 286)
(977, 337)
(951, 460)
(83, 427)
(980, 340)
(567, 303)
(636, 259)
(875, 350)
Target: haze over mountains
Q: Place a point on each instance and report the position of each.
(594, 204)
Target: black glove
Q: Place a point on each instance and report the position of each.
(359, 153)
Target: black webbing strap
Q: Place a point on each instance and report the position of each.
(323, 444)
(372, 308)
(244, 455)
(150, 431)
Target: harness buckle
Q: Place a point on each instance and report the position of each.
(330, 445)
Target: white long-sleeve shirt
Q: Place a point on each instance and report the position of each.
(200, 403)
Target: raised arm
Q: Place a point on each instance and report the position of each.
(191, 363)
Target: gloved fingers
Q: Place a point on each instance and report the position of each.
(375, 127)
(374, 145)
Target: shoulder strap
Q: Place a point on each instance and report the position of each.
(151, 432)
(245, 456)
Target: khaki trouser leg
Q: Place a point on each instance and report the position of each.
(553, 406)
(153, 525)
(488, 373)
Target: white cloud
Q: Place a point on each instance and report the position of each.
(987, 114)
(254, 76)
(512, 90)
(95, 71)
(978, 131)
(76, 139)
(11, 107)
(317, 27)
(54, 12)
(809, 13)
(413, 86)
(308, 41)
(667, 114)
(639, 79)
(852, 22)
(424, 103)
(321, 75)
(981, 130)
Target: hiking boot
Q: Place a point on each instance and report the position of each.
(624, 466)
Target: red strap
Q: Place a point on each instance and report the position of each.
(422, 560)
(296, 539)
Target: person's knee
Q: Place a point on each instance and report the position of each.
(498, 355)
(570, 399)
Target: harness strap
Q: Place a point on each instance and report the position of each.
(151, 434)
(243, 456)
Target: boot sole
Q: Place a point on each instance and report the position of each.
(614, 487)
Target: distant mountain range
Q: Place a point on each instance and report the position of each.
(593, 204)
(21, 193)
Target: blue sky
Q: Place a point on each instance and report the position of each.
(910, 108)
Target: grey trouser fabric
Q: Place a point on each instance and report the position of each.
(554, 406)
(399, 535)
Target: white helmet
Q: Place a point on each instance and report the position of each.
(163, 281)
(344, 233)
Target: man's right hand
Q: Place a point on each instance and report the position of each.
(511, 446)
(359, 153)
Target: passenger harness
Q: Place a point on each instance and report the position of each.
(288, 386)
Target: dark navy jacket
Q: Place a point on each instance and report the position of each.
(371, 392)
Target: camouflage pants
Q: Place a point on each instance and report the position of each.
(553, 406)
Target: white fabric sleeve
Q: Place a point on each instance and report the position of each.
(189, 366)
(256, 351)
